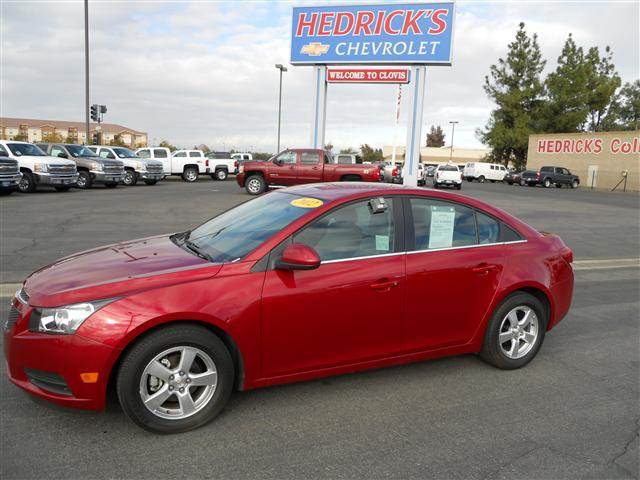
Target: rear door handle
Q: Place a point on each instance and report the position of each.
(484, 269)
(384, 285)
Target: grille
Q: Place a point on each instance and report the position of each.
(62, 169)
(113, 169)
(8, 168)
(154, 168)
(12, 318)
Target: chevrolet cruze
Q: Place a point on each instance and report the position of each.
(300, 283)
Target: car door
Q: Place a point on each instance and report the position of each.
(58, 151)
(350, 308)
(161, 154)
(310, 167)
(283, 169)
(452, 273)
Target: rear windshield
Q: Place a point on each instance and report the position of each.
(449, 168)
(546, 169)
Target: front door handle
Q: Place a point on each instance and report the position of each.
(484, 269)
(384, 285)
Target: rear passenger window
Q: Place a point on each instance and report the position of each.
(194, 154)
(442, 224)
(491, 230)
(309, 157)
(143, 153)
(181, 154)
(160, 153)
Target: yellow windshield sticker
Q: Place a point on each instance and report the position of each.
(306, 202)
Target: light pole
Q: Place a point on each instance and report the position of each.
(282, 68)
(453, 131)
(86, 69)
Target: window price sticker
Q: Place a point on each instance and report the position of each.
(442, 223)
(306, 203)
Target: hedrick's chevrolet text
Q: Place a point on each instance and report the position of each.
(304, 282)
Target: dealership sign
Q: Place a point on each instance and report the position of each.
(588, 145)
(368, 75)
(415, 33)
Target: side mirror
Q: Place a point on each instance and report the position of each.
(298, 257)
(277, 162)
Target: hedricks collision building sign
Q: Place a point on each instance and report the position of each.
(416, 33)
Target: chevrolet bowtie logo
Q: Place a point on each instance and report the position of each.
(314, 49)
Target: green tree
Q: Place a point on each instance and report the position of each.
(117, 141)
(370, 154)
(328, 147)
(567, 91)
(71, 139)
(435, 137)
(52, 137)
(166, 144)
(261, 155)
(602, 83)
(629, 106)
(20, 137)
(516, 88)
(347, 150)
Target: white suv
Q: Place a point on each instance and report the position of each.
(482, 171)
(447, 174)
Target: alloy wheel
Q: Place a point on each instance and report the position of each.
(178, 382)
(518, 332)
(127, 178)
(254, 185)
(191, 175)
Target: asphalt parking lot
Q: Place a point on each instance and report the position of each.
(572, 413)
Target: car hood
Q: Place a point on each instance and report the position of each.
(103, 161)
(45, 159)
(115, 270)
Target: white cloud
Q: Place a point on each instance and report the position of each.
(204, 72)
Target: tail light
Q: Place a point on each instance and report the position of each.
(537, 174)
(206, 164)
(567, 254)
(394, 172)
(376, 174)
(235, 164)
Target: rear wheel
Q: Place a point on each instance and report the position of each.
(129, 178)
(481, 179)
(255, 185)
(84, 179)
(547, 183)
(27, 183)
(515, 332)
(190, 174)
(175, 379)
(575, 184)
(221, 174)
(435, 185)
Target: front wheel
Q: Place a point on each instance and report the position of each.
(27, 183)
(481, 179)
(129, 178)
(190, 175)
(221, 174)
(575, 184)
(175, 379)
(84, 179)
(547, 183)
(255, 185)
(515, 332)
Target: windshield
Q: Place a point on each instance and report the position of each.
(449, 168)
(235, 233)
(28, 149)
(124, 152)
(80, 151)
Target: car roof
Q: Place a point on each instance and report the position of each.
(338, 190)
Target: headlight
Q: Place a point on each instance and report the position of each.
(241, 169)
(64, 320)
(97, 166)
(141, 166)
(40, 167)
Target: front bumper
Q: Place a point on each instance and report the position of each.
(34, 359)
(240, 178)
(150, 176)
(10, 181)
(106, 177)
(56, 179)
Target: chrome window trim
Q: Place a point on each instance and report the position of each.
(420, 251)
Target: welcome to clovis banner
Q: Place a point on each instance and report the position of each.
(415, 33)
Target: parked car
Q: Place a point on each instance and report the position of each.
(548, 176)
(91, 168)
(10, 175)
(242, 157)
(449, 175)
(306, 282)
(188, 164)
(430, 170)
(302, 165)
(391, 172)
(135, 168)
(39, 169)
(422, 175)
(221, 165)
(514, 177)
(482, 171)
(347, 159)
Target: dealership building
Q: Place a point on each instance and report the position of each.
(601, 159)
(439, 154)
(34, 130)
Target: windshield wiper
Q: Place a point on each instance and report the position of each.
(195, 249)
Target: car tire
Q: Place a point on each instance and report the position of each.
(190, 174)
(522, 183)
(459, 186)
(481, 179)
(62, 189)
(84, 180)
(558, 185)
(220, 174)
(27, 183)
(129, 178)
(575, 184)
(111, 184)
(435, 185)
(162, 352)
(151, 182)
(546, 183)
(520, 320)
(255, 185)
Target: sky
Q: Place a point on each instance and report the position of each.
(203, 72)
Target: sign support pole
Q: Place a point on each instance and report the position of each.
(319, 107)
(414, 125)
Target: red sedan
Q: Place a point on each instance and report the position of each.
(300, 283)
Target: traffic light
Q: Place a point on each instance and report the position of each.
(103, 109)
(94, 112)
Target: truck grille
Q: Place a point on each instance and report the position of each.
(154, 168)
(62, 169)
(10, 169)
(12, 317)
(113, 169)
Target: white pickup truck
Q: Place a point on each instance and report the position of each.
(221, 165)
(188, 164)
(38, 168)
(135, 168)
(447, 174)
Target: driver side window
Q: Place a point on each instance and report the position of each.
(351, 231)
(287, 157)
(106, 154)
(56, 151)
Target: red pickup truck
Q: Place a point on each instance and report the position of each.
(304, 165)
